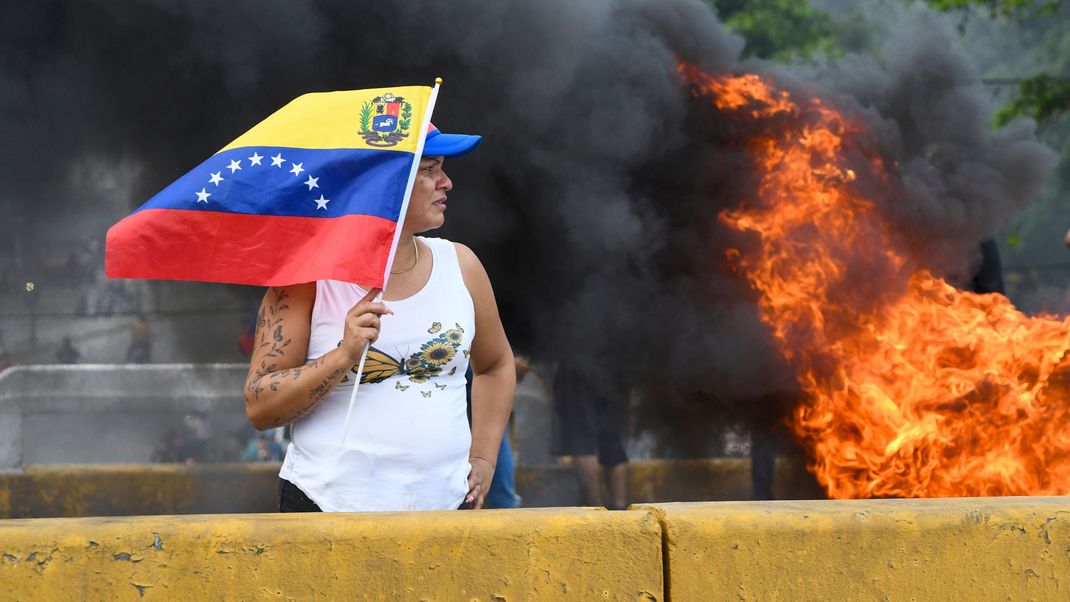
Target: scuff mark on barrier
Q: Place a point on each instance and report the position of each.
(125, 556)
(157, 543)
(1047, 525)
(42, 564)
(1012, 527)
(258, 549)
(92, 544)
(141, 589)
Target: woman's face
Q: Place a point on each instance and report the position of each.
(427, 205)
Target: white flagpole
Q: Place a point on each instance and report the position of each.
(397, 237)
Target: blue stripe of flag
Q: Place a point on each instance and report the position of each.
(353, 182)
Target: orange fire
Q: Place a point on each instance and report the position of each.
(913, 388)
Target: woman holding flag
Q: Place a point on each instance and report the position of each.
(408, 445)
(325, 193)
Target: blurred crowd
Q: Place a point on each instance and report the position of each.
(192, 442)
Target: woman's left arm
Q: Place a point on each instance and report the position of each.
(494, 378)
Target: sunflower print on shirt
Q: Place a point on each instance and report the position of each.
(420, 367)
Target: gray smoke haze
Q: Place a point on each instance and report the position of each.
(593, 201)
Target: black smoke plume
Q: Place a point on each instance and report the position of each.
(593, 201)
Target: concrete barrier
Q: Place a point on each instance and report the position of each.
(701, 479)
(493, 555)
(941, 549)
(65, 490)
(111, 413)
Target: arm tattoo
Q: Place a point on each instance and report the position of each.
(270, 337)
(314, 396)
(269, 334)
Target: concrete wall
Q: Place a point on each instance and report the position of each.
(706, 479)
(953, 549)
(189, 321)
(134, 489)
(53, 414)
(111, 413)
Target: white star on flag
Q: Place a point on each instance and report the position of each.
(255, 159)
(202, 196)
(216, 178)
(234, 166)
(311, 183)
(277, 160)
(297, 169)
(321, 203)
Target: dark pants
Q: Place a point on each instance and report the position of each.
(292, 499)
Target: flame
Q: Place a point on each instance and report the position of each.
(913, 388)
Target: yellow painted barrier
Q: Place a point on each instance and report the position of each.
(72, 490)
(491, 555)
(947, 549)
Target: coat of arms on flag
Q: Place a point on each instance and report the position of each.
(385, 120)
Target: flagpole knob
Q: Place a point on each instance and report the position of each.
(438, 81)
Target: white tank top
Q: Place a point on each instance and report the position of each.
(409, 439)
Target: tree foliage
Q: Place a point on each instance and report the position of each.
(1021, 46)
(779, 29)
(1033, 251)
(1040, 97)
(1003, 8)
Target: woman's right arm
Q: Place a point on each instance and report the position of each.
(281, 386)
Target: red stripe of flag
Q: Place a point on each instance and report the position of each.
(264, 250)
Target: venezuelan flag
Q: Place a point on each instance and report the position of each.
(315, 191)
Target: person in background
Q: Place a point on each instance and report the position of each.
(989, 275)
(171, 447)
(140, 349)
(502, 493)
(67, 353)
(263, 448)
(198, 438)
(6, 361)
(590, 418)
(248, 337)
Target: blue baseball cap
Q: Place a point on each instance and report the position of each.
(439, 144)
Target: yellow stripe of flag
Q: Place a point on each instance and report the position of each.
(343, 120)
